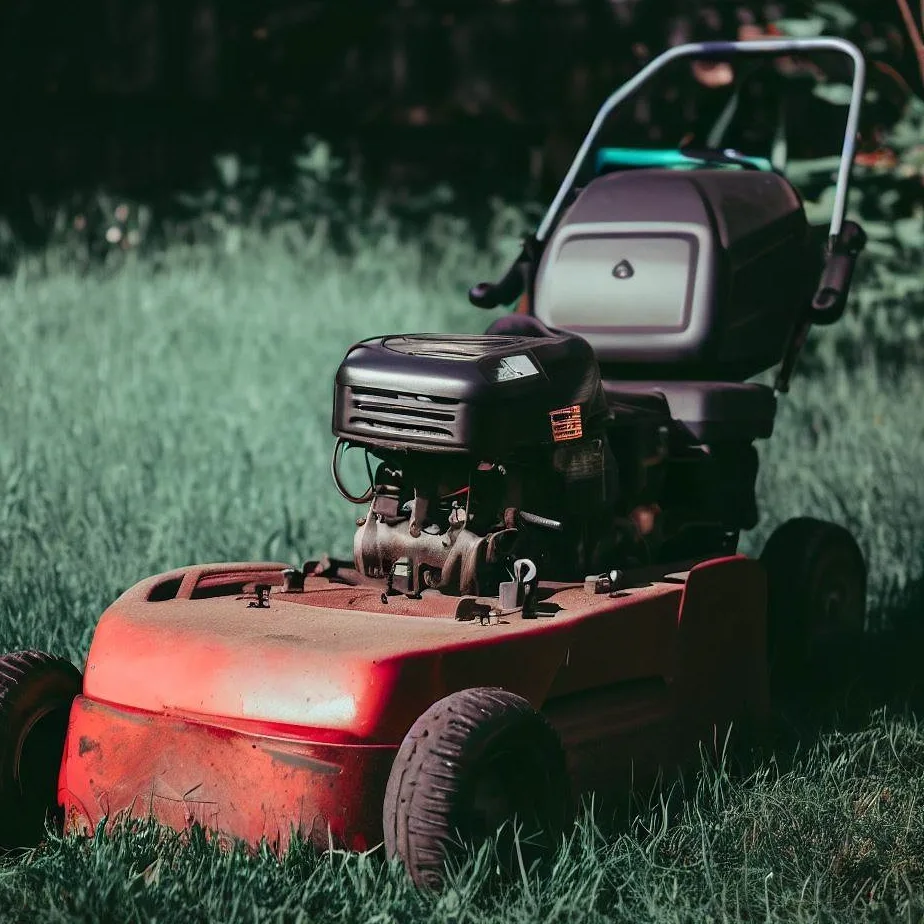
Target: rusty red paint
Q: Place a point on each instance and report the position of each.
(245, 786)
(247, 720)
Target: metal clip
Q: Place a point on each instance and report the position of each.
(520, 592)
(607, 583)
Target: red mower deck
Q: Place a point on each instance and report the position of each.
(252, 719)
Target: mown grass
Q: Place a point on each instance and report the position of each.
(179, 411)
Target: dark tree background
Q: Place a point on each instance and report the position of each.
(138, 95)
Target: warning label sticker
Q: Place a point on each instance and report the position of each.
(517, 366)
(566, 423)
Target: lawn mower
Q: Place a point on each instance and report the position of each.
(545, 596)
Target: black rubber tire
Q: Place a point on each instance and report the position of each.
(469, 742)
(816, 584)
(36, 693)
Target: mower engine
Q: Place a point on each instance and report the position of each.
(490, 449)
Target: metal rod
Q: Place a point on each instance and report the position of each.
(719, 49)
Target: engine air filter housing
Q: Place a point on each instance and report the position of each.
(487, 395)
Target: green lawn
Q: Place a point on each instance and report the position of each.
(179, 411)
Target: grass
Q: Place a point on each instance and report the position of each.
(179, 411)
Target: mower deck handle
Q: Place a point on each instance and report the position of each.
(490, 295)
(764, 47)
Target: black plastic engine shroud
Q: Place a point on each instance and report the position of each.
(490, 396)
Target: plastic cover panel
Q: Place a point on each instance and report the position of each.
(662, 311)
(650, 290)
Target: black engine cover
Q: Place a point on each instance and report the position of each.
(490, 396)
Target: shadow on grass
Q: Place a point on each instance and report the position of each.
(854, 690)
(881, 670)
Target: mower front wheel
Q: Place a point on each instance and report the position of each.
(816, 586)
(474, 764)
(36, 693)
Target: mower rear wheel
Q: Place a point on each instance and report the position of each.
(816, 585)
(36, 693)
(473, 765)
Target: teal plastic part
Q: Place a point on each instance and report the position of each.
(660, 157)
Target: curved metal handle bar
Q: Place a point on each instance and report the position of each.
(717, 49)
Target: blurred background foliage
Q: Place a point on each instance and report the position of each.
(132, 124)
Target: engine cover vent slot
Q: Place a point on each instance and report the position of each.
(449, 347)
(384, 428)
(381, 411)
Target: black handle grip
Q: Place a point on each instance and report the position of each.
(835, 281)
(481, 295)
(508, 289)
(513, 283)
(830, 299)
